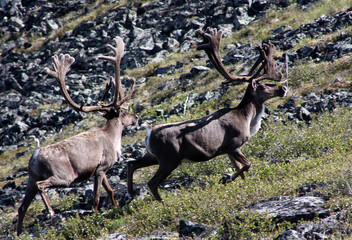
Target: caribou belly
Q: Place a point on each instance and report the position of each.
(185, 160)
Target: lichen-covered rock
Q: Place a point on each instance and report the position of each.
(284, 208)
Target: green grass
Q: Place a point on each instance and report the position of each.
(299, 141)
(292, 16)
(307, 77)
(285, 157)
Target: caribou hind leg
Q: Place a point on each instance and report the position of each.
(52, 181)
(31, 191)
(145, 161)
(161, 174)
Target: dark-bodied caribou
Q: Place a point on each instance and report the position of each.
(222, 132)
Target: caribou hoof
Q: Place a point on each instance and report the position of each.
(128, 198)
(125, 200)
(227, 178)
(49, 215)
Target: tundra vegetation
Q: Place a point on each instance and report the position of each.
(285, 155)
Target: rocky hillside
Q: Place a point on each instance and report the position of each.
(152, 32)
(31, 32)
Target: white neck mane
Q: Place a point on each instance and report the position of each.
(256, 121)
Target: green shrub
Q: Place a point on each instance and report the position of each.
(291, 141)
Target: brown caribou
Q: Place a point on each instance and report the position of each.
(222, 132)
(87, 154)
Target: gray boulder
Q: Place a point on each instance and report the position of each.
(284, 208)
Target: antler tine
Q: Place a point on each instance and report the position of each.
(108, 85)
(62, 65)
(119, 51)
(122, 101)
(259, 60)
(269, 65)
(211, 45)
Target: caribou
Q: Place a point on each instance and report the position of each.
(87, 154)
(223, 132)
